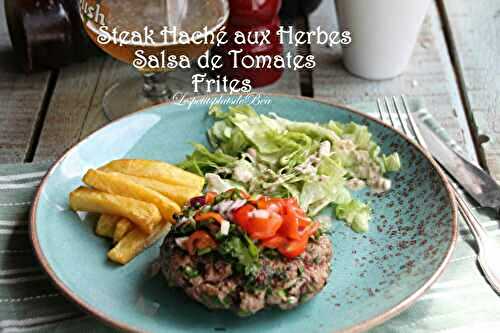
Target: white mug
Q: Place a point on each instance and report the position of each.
(384, 33)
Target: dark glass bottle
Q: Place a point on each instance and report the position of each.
(290, 9)
(47, 33)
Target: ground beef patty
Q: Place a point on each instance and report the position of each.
(280, 281)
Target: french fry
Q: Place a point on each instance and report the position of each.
(122, 227)
(143, 214)
(157, 170)
(105, 227)
(179, 194)
(119, 184)
(135, 242)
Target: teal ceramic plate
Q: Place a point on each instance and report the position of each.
(375, 275)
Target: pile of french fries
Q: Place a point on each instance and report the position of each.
(137, 200)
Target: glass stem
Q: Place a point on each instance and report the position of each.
(156, 86)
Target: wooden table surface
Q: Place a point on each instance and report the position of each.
(455, 68)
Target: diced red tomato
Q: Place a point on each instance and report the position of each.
(291, 247)
(286, 228)
(242, 215)
(274, 242)
(199, 240)
(271, 204)
(290, 226)
(293, 205)
(294, 219)
(294, 248)
(261, 228)
(303, 222)
(207, 216)
(309, 230)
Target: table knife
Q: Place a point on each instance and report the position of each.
(474, 180)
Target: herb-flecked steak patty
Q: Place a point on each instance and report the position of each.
(280, 281)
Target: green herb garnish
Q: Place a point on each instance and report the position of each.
(190, 272)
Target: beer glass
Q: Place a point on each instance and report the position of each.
(109, 23)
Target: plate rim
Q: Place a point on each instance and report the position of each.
(358, 327)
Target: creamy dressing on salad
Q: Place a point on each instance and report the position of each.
(319, 164)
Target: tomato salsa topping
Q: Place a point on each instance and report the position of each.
(236, 225)
(278, 223)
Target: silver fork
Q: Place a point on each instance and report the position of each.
(488, 250)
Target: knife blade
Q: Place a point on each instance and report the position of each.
(479, 184)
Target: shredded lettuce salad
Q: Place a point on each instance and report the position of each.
(320, 164)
